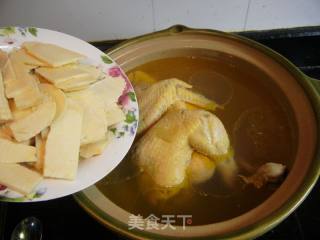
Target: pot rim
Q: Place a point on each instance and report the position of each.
(312, 90)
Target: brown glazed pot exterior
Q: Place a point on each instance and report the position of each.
(302, 94)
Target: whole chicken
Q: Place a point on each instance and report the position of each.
(178, 142)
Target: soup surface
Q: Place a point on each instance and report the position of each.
(260, 127)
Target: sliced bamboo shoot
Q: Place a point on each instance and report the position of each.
(11, 152)
(51, 54)
(62, 74)
(22, 56)
(96, 148)
(3, 59)
(57, 95)
(40, 146)
(29, 126)
(5, 133)
(114, 114)
(19, 178)
(63, 144)
(5, 112)
(77, 83)
(109, 89)
(95, 124)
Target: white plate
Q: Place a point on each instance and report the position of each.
(93, 169)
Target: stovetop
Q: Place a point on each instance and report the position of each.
(65, 219)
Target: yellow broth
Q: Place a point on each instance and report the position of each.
(259, 124)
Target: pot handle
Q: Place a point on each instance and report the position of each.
(315, 83)
(179, 28)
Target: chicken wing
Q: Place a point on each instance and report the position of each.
(155, 100)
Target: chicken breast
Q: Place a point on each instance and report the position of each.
(164, 152)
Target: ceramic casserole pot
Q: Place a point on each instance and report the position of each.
(300, 92)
